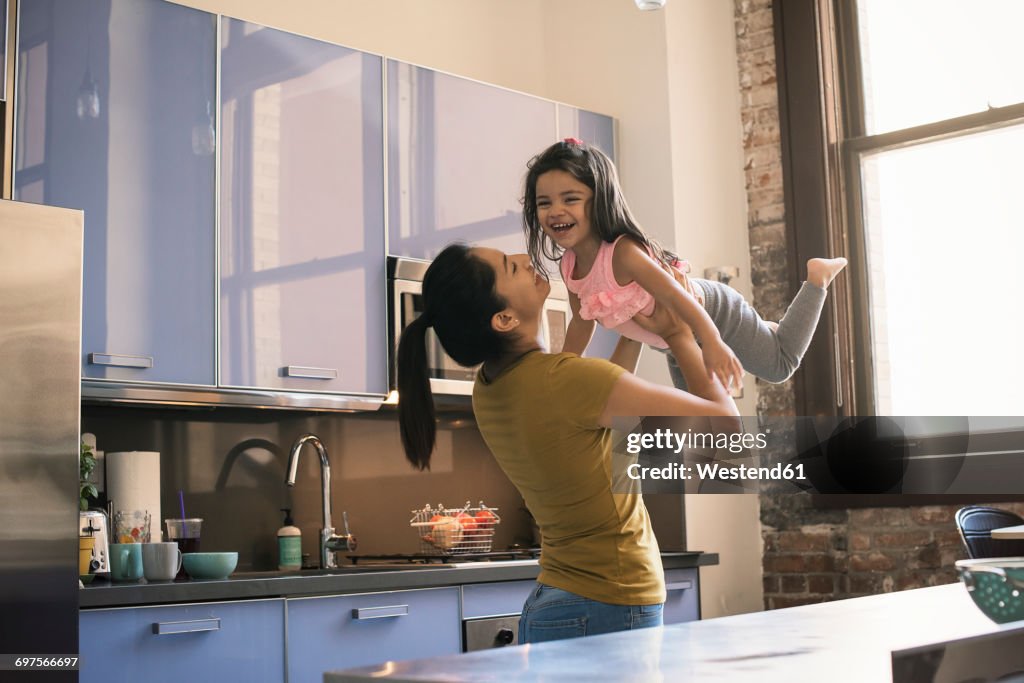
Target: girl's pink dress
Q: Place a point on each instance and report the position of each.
(604, 300)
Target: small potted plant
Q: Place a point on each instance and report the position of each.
(86, 464)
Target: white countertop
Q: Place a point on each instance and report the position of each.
(838, 642)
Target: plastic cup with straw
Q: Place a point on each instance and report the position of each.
(184, 531)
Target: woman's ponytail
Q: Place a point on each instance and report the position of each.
(459, 300)
(415, 404)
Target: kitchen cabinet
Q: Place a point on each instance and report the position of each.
(352, 630)
(302, 282)
(495, 599)
(235, 227)
(224, 641)
(593, 128)
(113, 117)
(457, 154)
(682, 596)
(3, 50)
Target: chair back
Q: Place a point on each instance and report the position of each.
(975, 524)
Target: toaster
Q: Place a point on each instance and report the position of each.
(94, 522)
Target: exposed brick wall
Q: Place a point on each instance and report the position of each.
(818, 555)
(813, 555)
(759, 116)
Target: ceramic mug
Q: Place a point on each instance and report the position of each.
(160, 561)
(125, 561)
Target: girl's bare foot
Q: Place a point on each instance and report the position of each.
(821, 271)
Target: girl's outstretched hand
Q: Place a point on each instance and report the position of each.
(722, 363)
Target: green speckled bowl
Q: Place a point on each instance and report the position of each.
(209, 565)
(996, 585)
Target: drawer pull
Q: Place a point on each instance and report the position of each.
(309, 373)
(117, 360)
(380, 612)
(679, 586)
(163, 628)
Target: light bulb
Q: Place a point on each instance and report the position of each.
(648, 5)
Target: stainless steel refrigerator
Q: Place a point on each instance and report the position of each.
(40, 339)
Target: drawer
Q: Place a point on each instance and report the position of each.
(495, 599)
(682, 601)
(225, 641)
(338, 632)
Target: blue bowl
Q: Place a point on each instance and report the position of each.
(209, 565)
(996, 585)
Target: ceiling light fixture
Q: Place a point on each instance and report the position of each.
(647, 5)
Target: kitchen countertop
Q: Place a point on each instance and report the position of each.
(842, 641)
(347, 579)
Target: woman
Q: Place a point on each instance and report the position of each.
(546, 419)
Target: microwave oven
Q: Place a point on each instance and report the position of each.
(405, 286)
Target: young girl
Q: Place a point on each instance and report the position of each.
(574, 212)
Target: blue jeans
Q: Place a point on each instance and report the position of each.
(553, 614)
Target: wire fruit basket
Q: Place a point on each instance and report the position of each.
(455, 531)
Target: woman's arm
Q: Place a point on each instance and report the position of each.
(634, 396)
(632, 263)
(580, 331)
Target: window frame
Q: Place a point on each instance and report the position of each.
(823, 140)
(818, 61)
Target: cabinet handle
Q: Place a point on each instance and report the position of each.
(120, 360)
(380, 612)
(679, 586)
(309, 373)
(163, 628)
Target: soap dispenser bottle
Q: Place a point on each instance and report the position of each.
(289, 544)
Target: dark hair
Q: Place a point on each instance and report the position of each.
(610, 215)
(459, 301)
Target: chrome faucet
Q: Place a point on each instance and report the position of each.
(329, 542)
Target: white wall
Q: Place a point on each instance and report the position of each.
(711, 230)
(669, 77)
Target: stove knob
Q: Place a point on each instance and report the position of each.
(505, 637)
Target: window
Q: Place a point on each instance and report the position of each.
(913, 163)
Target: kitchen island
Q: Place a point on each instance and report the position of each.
(843, 641)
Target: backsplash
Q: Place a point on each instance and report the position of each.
(230, 465)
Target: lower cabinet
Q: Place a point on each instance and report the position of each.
(338, 632)
(682, 596)
(298, 639)
(221, 641)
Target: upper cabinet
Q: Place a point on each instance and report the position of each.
(457, 154)
(235, 181)
(302, 282)
(596, 129)
(113, 117)
(3, 49)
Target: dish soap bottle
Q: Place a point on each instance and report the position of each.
(289, 544)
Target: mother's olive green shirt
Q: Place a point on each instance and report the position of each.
(540, 418)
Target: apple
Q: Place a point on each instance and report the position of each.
(425, 535)
(468, 522)
(485, 520)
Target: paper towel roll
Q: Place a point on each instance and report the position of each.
(133, 483)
